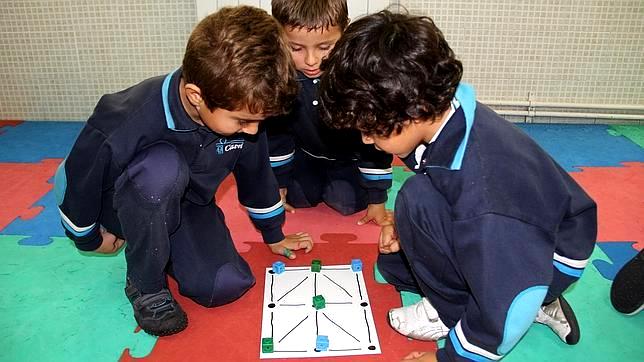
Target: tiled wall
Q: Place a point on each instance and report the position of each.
(583, 51)
(588, 52)
(57, 57)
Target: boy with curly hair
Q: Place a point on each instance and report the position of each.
(491, 230)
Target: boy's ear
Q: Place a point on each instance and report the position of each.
(193, 93)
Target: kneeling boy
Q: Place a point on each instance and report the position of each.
(145, 168)
(490, 230)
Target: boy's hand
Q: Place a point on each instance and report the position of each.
(287, 207)
(388, 242)
(292, 242)
(421, 357)
(111, 244)
(376, 213)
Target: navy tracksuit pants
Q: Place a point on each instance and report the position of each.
(337, 183)
(166, 232)
(426, 263)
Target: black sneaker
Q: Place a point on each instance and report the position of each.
(158, 313)
(560, 317)
(627, 291)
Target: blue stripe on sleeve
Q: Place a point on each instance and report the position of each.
(567, 270)
(268, 215)
(77, 233)
(281, 163)
(377, 177)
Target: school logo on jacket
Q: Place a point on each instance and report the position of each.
(225, 145)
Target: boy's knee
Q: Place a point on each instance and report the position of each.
(156, 173)
(408, 199)
(230, 282)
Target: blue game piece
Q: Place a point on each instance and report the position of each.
(278, 267)
(322, 343)
(356, 265)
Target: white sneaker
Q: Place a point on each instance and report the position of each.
(560, 317)
(418, 321)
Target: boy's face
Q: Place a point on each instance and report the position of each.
(401, 144)
(309, 47)
(227, 123)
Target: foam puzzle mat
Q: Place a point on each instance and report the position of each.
(59, 304)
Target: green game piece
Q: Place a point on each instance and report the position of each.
(267, 345)
(287, 252)
(316, 266)
(318, 302)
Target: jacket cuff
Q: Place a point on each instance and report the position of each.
(89, 243)
(272, 236)
(375, 196)
(283, 179)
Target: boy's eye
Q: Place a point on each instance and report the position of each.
(325, 47)
(296, 49)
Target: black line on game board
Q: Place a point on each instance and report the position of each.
(289, 332)
(315, 284)
(367, 323)
(317, 330)
(289, 351)
(271, 324)
(331, 268)
(290, 269)
(347, 349)
(292, 305)
(272, 280)
(338, 303)
(359, 289)
(339, 286)
(337, 325)
(298, 284)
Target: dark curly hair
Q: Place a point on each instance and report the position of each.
(388, 69)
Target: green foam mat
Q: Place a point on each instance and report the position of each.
(377, 276)
(606, 335)
(60, 305)
(632, 132)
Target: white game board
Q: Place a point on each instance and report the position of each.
(290, 319)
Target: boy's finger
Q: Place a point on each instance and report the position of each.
(118, 244)
(288, 208)
(364, 220)
(288, 253)
(307, 245)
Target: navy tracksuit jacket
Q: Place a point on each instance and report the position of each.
(490, 228)
(143, 170)
(316, 163)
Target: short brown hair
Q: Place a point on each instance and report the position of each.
(311, 14)
(239, 58)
